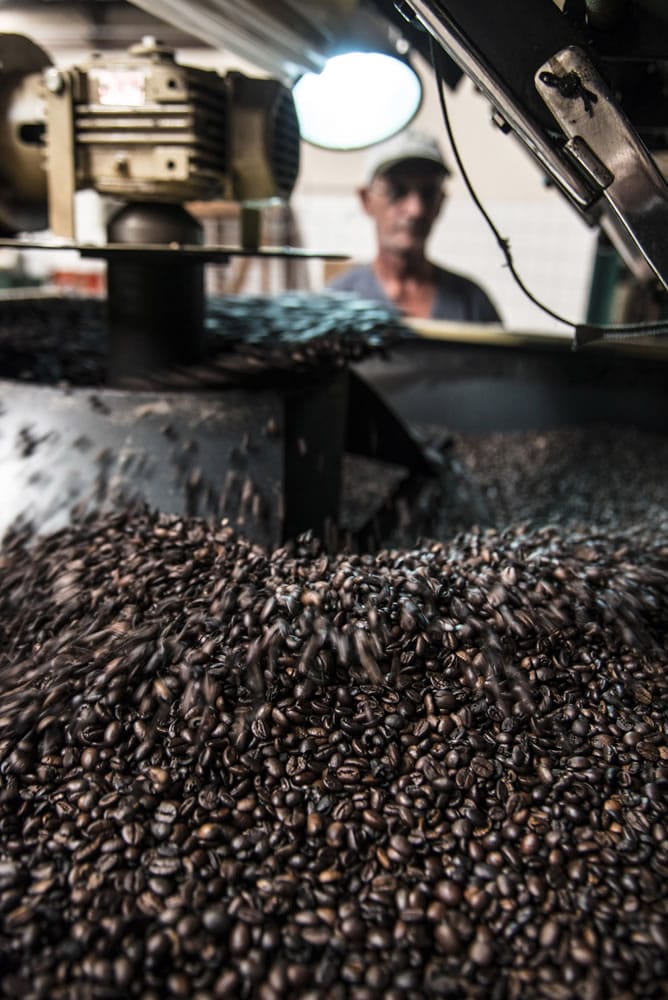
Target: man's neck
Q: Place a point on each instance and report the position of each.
(407, 282)
(393, 267)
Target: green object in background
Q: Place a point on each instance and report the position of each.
(16, 279)
(605, 276)
(25, 281)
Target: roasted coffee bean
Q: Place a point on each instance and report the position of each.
(401, 774)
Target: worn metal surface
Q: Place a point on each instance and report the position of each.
(23, 185)
(74, 451)
(509, 67)
(481, 387)
(256, 432)
(267, 460)
(603, 141)
(498, 70)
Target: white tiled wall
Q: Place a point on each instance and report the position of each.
(552, 250)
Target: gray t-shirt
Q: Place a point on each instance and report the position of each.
(457, 297)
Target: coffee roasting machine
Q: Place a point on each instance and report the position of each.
(582, 83)
(250, 438)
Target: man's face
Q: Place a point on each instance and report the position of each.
(404, 203)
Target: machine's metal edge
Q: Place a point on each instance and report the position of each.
(204, 253)
(448, 34)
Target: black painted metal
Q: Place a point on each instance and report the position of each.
(68, 452)
(513, 38)
(268, 460)
(260, 442)
(315, 428)
(155, 305)
(473, 387)
(374, 431)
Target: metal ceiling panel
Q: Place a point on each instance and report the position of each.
(284, 37)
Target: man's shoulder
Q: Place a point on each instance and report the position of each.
(453, 279)
(356, 277)
(463, 298)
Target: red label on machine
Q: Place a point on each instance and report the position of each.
(120, 87)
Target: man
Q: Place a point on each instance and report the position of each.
(403, 194)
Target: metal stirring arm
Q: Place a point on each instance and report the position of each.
(586, 144)
(602, 141)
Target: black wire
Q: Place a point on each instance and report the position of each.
(504, 244)
(584, 332)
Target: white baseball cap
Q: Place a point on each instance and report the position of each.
(410, 144)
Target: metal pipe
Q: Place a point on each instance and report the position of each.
(155, 306)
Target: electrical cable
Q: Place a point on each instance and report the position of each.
(504, 244)
(584, 333)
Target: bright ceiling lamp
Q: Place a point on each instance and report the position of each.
(358, 99)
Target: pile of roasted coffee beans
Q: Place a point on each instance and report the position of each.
(438, 771)
(301, 328)
(53, 341)
(590, 478)
(596, 475)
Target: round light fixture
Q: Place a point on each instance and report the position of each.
(358, 99)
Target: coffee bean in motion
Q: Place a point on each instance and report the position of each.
(437, 770)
